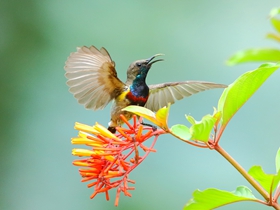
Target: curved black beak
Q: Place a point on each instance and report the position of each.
(150, 61)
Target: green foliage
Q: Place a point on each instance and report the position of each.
(268, 181)
(274, 12)
(256, 54)
(231, 100)
(201, 130)
(140, 111)
(276, 23)
(214, 198)
(159, 118)
(260, 54)
(181, 131)
(236, 94)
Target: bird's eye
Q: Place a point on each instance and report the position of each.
(138, 64)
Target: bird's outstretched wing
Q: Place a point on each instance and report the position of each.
(92, 77)
(162, 94)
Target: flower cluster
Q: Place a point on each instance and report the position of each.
(112, 157)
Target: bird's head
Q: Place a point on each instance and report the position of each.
(140, 68)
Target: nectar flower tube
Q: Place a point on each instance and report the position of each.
(110, 158)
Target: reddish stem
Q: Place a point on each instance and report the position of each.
(242, 171)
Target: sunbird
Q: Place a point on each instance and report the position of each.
(92, 79)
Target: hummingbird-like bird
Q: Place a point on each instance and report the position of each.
(93, 80)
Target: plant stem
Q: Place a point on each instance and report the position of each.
(242, 171)
(204, 145)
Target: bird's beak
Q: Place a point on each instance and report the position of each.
(150, 60)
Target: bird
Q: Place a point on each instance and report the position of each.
(92, 79)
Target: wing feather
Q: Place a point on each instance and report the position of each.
(92, 77)
(177, 94)
(162, 94)
(168, 94)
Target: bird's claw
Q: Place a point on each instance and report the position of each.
(152, 126)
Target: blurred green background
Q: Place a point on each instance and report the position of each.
(38, 113)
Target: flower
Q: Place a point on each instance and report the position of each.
(110, 159)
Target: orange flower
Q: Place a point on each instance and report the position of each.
(110, 158)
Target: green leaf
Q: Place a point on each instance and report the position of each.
(276, 23)
(250, 55)
(274, 12)
(217, 115)
(222, 100)
(237, 93)
(141, 111)
(201, 130)
(277, 161)
(190, 119)
(181, 131)
(160, 118)
(268, 181)
(214, 198)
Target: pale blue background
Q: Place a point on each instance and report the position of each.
(38, 112)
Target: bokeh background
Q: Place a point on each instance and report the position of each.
(38, 113)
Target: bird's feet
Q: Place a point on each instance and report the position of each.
(153, 126)
(113, 129)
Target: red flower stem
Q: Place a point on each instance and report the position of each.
(243, 172)
(109, 154)
(91, 184)
(123, 133)
(196, 144)
(131, 181)
(129, 153)
(135, 121)
(109, 166)
(158, 132)
(271, 191)
(143, 158)
(146, 148)
(105, 148)
(117, 197)
(139, 132)
(126, 122)
(277, 193)
(107, 195)
(189, 142)
(221, 130)
(147, 135)
(93, 195)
